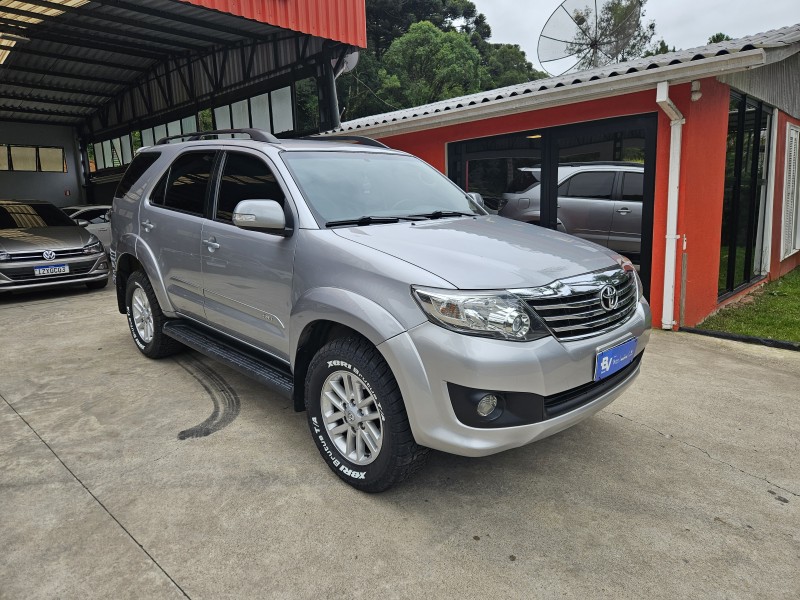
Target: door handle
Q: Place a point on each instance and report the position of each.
(211, 244)
(623, 210)
(147, 225)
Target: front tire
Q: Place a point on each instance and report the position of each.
(357, 416)
(146, 320)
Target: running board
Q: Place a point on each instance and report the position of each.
(276, 378)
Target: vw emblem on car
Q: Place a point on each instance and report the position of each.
(608, 298)
(48, 255)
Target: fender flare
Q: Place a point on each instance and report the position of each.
(347, 308)
(150, 264)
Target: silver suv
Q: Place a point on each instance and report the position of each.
(599, 202)
(368, 287)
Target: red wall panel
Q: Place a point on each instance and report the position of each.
(340, 20)
(778, 268)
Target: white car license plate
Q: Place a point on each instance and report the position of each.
(612, 360)
(51, 270)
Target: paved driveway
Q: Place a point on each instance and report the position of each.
(123, 477)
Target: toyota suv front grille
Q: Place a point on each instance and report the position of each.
(587, 305)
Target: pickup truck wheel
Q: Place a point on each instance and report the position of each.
(146, 320)
(357, 416)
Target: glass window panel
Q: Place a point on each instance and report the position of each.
(591, 185)
(23, 158)
(108, 158)
(259, 112)
(188, 182)
(245, 178)
(222, 117)
(174, 128)
(127, 155)
(241, 114)
(147, 138)
(307, 99)
(3, 157)
(282, 118)
(98, 156)
(632, 186)
(206, 120)
(159, 132)
(140, 164)
(505, 180)
(189, 124)
(52, 160)
(116, 152)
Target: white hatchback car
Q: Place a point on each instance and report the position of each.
(97, 216)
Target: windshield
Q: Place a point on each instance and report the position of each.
(23, 216)
(340, 186)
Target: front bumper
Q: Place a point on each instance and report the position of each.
(19, 275)
(428, 359)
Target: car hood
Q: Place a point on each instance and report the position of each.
(485, 252)
(43, 238)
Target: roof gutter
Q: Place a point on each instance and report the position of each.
(677, 121)
(394, 124)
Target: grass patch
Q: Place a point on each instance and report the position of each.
(774, 312)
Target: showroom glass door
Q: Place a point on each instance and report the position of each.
(741, 258)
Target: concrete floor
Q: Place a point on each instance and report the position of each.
(125, 477)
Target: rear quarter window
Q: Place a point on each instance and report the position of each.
(140, 164)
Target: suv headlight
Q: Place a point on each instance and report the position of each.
(496, 314)
(93, 246)
(628, 266)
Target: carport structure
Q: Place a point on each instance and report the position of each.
(109, 68)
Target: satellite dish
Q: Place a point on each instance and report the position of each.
(583, 34)
(348, 64)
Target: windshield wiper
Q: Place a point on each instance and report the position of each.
(368, 220)
(438, 214)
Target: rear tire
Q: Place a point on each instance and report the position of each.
(357, 416)
(146, 320)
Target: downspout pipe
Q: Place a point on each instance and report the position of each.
(676, 133)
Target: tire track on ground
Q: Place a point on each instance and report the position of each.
(224, 398)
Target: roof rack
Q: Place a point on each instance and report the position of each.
(353, 139)
(258, 135)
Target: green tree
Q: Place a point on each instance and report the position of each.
(660, 47)
(620, 33)
(506, 64)
(719, 37)
(428, 64)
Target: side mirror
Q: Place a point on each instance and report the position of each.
(81, 222)
(260, 215)
(477, 199)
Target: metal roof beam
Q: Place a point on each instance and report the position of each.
(43, 121)
(63, 75)
(6, 95)
(154, 12)
(43, 111)
(105, 16)
(99, 43)
(21, 49)
(58, 88)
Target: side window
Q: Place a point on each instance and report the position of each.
(185, 186)
(632, 186)
(140, 164)
(245, 177)
(591, 185)
(563, 188)
(94, 216)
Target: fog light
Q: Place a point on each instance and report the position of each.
(103, 265)
(487, 405)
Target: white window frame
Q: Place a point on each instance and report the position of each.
(790, 226)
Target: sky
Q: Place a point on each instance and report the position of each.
(679, 22)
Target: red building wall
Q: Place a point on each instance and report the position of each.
(702, 176)
(779, 268)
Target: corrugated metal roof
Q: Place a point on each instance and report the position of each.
(342, 20)
(779, 41)
(108, 60)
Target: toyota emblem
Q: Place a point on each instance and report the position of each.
(48, 255)
(608, 298)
